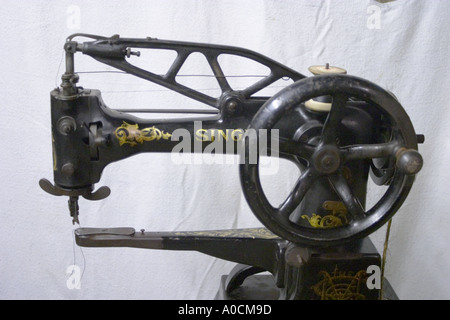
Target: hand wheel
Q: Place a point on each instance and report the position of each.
(327, 159)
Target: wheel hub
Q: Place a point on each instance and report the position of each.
(326, 159)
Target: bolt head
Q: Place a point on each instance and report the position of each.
(68, 169)
(232, 106)
(66, 125)
(327, 159)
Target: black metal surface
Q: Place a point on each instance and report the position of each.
(238, 275)
(337, 273)
(88, 108)
(254, 288)
(262, 287)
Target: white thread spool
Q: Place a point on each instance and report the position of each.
(316, 105)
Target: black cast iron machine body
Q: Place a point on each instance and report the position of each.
(340, 130)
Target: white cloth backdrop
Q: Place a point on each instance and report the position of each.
(401, 45)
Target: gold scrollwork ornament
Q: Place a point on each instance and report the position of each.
(340, 285)
(337, 218)
(132, 135)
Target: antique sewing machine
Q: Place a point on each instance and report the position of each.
(340, 130)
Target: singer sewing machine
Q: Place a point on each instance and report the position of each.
(340, 130)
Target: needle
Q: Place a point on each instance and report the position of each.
(74, 209)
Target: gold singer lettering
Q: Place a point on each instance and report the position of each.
(204, 135)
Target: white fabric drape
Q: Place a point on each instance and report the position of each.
(400, 45)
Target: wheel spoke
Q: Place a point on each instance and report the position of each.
(334, 119)
(369, 151)
(347, 196)
(298, 193)
(294, 148)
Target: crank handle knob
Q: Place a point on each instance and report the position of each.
(409, 161)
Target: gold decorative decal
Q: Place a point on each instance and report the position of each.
(340, 285)
(338, 217)
(326, 222)
(252, 233)
(132, 135)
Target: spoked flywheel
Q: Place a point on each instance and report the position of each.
(327, 159)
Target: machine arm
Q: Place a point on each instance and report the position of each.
(115, 51)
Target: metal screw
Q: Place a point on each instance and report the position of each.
(68, 169)
(66, 128)
(232, 106)
(304, 138)
(66, 125)
(130, 53)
